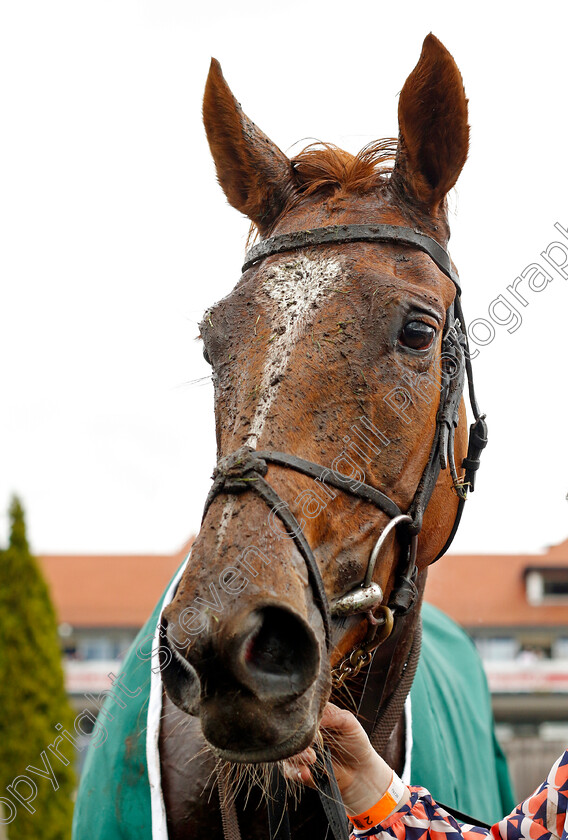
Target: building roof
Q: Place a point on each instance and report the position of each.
(475, 590)
(489, 589)
(106, 590)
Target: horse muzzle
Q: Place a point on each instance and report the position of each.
(251, 679)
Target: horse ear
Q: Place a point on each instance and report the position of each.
(433, 129)
(255, 174)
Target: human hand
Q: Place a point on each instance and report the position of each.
(362, 775)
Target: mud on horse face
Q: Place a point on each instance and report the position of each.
(342, 347)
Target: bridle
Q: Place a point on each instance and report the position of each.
(245, 469)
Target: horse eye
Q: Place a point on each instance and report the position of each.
(206, 356)
(417, 335)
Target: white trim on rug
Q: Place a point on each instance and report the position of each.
(158, 809)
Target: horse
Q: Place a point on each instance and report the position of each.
(313, 353)
(344, 461)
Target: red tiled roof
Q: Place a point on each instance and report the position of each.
(106, 590)
(560, 550)
(475, 590)
(488, 589)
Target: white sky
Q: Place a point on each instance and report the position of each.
(114, 237)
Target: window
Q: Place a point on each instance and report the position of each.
(560, 648)
(497, 648)
(111, 644)
(95, 647)
(546, 585)
(556, 584)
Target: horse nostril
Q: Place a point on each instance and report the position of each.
(179, 677)
(279, 656)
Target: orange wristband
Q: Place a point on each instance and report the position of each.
(387, 803)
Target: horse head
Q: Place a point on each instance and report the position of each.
(334, 351)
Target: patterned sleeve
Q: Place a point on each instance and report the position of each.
(543, 816)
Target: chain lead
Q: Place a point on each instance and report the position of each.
(362, 655)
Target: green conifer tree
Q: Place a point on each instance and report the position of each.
(32, 698)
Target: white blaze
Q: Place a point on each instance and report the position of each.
(294, 286)
(228, 507)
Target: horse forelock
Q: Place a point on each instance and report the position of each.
(323, 170)
(323, 164)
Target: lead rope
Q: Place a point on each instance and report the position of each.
(383, 725)
(229, 817)
(386, 720)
